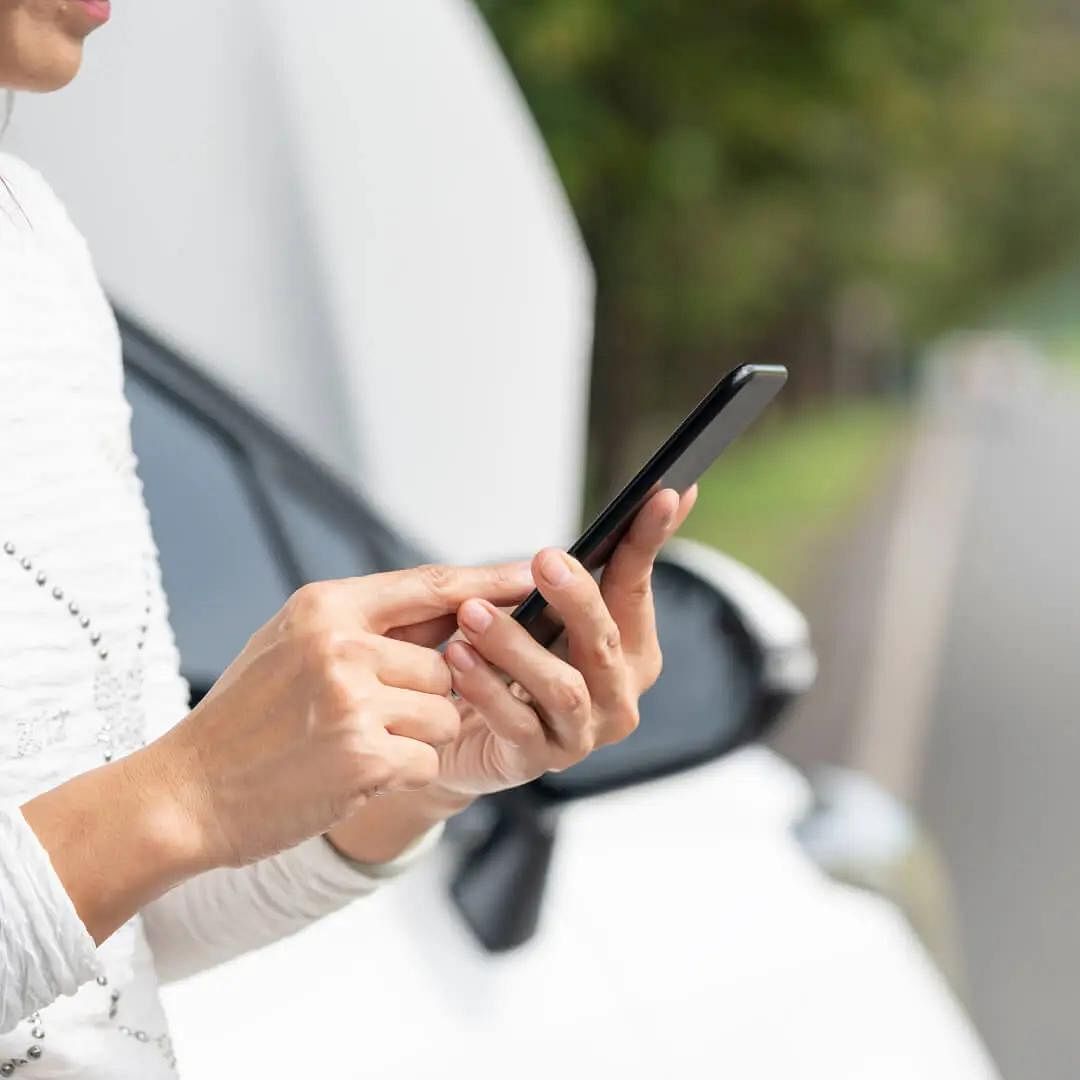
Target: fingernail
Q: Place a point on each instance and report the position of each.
(553, 568)
(460, 656)
(475, 616)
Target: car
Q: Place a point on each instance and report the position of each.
(650, 909)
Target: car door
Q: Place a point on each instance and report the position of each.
(241, 515)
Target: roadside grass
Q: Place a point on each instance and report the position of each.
(777, 500)
(1049, 310)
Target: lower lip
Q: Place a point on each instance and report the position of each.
(98, 10)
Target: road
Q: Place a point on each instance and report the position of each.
(948, 627)
(1000, 779)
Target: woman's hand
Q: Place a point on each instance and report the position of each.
(559, 706)
(328, 704)
(557, 709)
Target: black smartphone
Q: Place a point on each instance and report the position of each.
(736, 401)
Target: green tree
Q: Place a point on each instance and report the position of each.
(819, 182)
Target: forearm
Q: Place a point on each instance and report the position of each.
(117, 838)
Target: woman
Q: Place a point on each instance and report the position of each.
(139, 841)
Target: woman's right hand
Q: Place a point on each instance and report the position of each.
(327, 705)
(334, 699)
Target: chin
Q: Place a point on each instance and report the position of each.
(55, 73)
(43, 64)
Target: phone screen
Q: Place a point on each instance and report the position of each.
(721, 417)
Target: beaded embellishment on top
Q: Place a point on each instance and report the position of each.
(38, 733)
(118, 700)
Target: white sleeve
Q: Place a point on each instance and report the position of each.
(217, 916)
(45, 951)
(222, 914)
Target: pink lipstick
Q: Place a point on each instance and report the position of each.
(98, 10)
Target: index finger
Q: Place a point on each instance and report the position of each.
(403, 598)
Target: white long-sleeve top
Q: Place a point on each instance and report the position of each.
(88, 672)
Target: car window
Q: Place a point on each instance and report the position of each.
(219, 567)
(326, 546)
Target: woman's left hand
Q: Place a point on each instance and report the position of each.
(562, 705)
(559, 707)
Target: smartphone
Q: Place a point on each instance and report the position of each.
(736, 401)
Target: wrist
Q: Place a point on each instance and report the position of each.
(385, 827)
(117, 838)
(168, 798)
(439, 802)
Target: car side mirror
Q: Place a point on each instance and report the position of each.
(736, 651)
(500, 883)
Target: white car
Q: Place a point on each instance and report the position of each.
(649, 910)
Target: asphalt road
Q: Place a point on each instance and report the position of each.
(1000, 779)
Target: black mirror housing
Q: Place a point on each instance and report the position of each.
(499, 886)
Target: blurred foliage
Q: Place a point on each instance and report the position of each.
(1047, 310)
(776, 503)
(819, 182)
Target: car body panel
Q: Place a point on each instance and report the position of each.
(684, 929)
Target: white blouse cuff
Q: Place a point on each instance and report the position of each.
(331, 864)
(45, 949)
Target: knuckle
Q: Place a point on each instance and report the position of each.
(570, 693)
(652, 668)
(358, 654)
(341, 689)
(607, 648)
(370, 769)
(584, 743)
(310, 603)
(342, 698)
(438, 578)
(625, 721)
(321, 650)
(502, 577)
